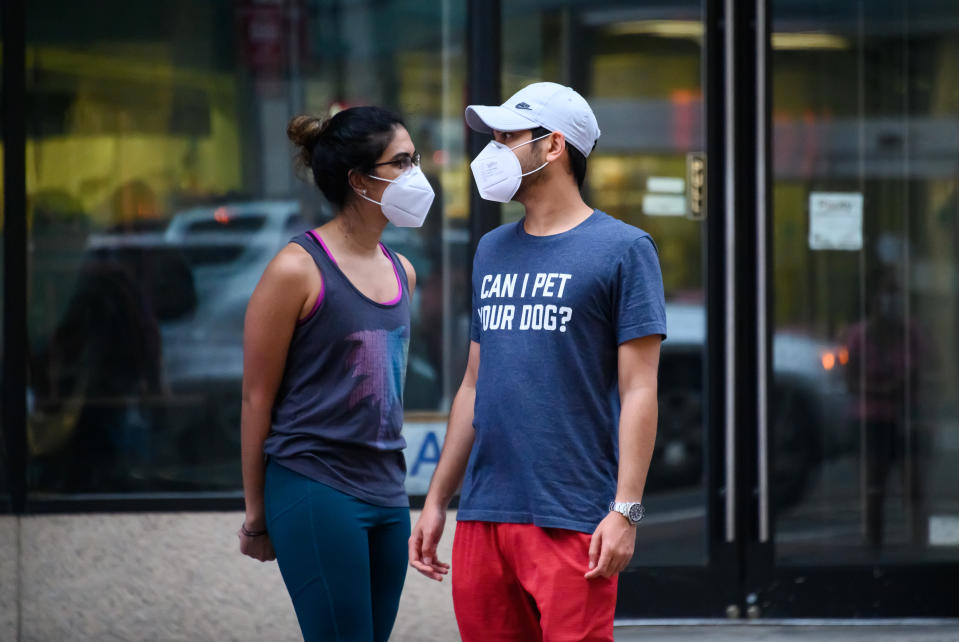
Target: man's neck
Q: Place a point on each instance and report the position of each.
(553, 206)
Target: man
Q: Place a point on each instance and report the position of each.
(554, 423)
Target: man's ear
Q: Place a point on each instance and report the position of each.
(557, 145)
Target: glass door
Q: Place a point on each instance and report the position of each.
(863, 448)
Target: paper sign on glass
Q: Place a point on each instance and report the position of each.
(664, 205)
(835, 221)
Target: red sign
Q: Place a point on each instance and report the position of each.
(262, 35)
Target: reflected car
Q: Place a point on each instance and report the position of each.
(152, 387)
(807, 404)
(228, 248)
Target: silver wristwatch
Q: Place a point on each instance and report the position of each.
(632, 511)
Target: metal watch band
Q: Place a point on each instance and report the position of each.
(632, 511)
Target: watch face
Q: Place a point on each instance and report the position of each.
(636, 512)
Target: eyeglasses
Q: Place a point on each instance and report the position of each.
(402, 162)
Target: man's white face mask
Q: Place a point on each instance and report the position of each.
(497, 171)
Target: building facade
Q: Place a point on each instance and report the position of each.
(797, 162)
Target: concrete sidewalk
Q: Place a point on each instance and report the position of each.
(163, 577)
(793, 632)
(179, 576)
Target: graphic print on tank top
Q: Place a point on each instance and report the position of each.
(378, 385)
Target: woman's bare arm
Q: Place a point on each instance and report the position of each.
(277, 302)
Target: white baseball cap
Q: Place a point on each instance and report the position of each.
(542, 104)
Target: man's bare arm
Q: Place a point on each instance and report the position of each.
(613, 541)
(448, 475)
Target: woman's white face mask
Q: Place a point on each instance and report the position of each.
(497, 171)
(407, 199)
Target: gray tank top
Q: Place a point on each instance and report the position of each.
(339, 408)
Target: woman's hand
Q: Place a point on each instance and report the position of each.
(256, 544)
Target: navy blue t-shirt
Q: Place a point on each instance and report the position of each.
(549, 313)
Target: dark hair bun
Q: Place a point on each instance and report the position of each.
(303, 131)
(352, 139)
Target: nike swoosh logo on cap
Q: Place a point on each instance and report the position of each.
(523, 106)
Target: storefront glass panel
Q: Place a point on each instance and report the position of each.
(865, 121)
(160, 183)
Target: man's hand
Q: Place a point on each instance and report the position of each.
(426, 535)
(611, 547)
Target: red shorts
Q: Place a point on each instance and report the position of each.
(521, 583)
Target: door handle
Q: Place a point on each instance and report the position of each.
(731, 201)
(762, 318)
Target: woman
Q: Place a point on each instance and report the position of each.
(325, 347)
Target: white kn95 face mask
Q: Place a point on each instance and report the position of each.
(497, 171)
(407, 198)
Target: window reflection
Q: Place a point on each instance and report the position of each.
(865, 121)
(160, 183)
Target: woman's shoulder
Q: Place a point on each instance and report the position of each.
(408, 268)
(291, 266)
(294, 258)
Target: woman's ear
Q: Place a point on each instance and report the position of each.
(357, 184)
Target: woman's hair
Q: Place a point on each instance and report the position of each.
(352, 139)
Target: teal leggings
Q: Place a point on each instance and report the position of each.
(343, 560)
